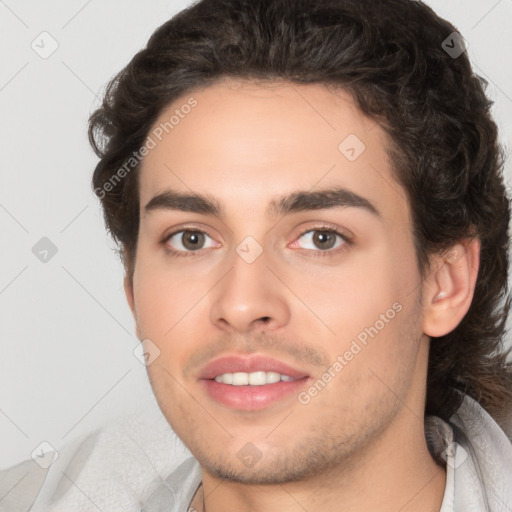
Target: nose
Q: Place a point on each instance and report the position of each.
(250, 297)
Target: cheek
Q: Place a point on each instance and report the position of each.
(353, 295)
(171, 312)
(372, 310)
(372, 361)
(165, 296)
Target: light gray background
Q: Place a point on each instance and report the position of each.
(66, 332)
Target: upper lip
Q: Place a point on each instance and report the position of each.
(248, 364)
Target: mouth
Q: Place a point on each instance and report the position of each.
(251, 383)
(258, 378)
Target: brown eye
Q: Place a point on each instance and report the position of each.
(192, 240)
(321, 240)
(188, 240)
(324, 239)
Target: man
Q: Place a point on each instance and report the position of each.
(310, 208)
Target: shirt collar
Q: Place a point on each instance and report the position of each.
(175, 493)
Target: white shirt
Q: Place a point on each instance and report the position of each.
(140, 465)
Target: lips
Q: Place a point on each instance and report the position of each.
(249, 364)
(251, 397)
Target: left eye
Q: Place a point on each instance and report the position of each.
(322, 239)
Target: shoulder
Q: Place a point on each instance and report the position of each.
(19, 485)
(482, 458)
(115, 468)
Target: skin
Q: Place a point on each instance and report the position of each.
(359, 443)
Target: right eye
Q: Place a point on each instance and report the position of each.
(186, 241)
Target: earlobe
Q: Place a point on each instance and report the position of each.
(448, 290)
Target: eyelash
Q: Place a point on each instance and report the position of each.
(328, 229)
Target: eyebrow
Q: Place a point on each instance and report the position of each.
(298, 201)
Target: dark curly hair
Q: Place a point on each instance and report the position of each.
(392, 57)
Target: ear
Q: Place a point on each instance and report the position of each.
(448, 290)
(128, 290)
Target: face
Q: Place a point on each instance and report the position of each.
(283, 297)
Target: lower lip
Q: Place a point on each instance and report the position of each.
(252, 398)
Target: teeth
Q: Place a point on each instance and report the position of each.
(252, 379)
(257, 378)
(240, 379)
(273, 377)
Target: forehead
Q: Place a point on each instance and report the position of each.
(244, 141)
